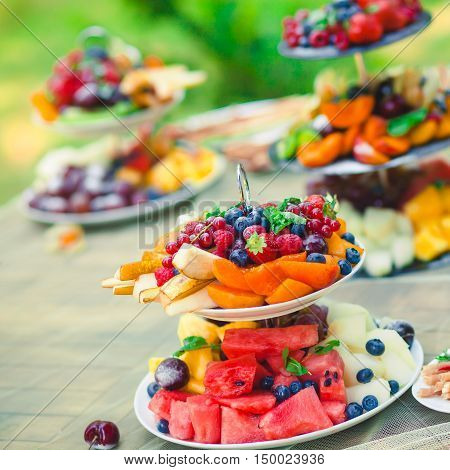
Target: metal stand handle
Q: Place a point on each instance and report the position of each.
(243, 186)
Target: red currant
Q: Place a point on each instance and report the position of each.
(210, 220)
(317, 213)
(219, 223)
(293, 208)
(326, 231)
(183, 238)
(167, 262)
(171, 247)
(335, 225)
(327, 221)
(199, 228)
(315, 225)
(205, 240)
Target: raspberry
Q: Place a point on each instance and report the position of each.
(162, 275)
(229, 228)
(189, 228)
(221, 253)
(247, 233)
(223, 239)
(289, 244)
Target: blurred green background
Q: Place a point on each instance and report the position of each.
(234, 41)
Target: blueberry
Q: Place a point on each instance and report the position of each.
(304, 42)
(364, 376)
(342, 4)
(353, 410)
(254, 218)
(352, 255)
(281, 393)
(232, 214)
(163, 426)
(299, 229)
(316, 258)
(259, 210)
(239, 258)
(307, 28)
(349, 237)
(153, 194)
(311, 383)
(152, 389)
(295, 387)
(345, 267)
(266, 382)
(265, 223)
(353, 10)
(375, 347)
(241, 223)
(395, 387)
(96, 52)
(369, 402)
(175, 272)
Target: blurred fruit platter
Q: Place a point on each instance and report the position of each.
(106, 81)
(277, 382)
(399, 116)
(246, 262)
(403, 222)
(345, 27)
(106, 180)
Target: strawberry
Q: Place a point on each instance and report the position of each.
(262, 247)
(364, 29)
(391, 17)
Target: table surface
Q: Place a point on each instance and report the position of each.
(71, 352)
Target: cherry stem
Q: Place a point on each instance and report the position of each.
(93, 442)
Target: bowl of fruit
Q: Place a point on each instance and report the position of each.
(107, 85)
(345, 27)
(107, 180)
(300, 377)
(248, 262)
(397, 118)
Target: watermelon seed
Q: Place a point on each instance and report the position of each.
(327, 373)
(239, 383)
(327, 382)
(335, 375)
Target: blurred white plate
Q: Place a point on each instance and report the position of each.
(130, 212)
(434, 403)
(276, 310)
(119, 124)
(147, 417)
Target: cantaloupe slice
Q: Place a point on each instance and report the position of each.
(227, 297)
(289, 289)
(316, 275)
(229, 274)
(264, 279)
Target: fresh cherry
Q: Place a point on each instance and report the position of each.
(103, 435)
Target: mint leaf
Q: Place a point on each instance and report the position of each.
(294, 367)
(191, 343)
(216, 212)
(294, 218)
(328, 347)
(289, 200)
(284, 355)
(402, 124)
(279, 220)
(444, 356)
(256, 244)
(331, 206)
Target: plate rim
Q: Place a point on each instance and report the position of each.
(277, 310)
(418, 355)
(330, 52)
(430, 401)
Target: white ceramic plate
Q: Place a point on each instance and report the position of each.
(121, 124)
(350, 166)
(434, 403)
(126, 213)
(147, 418)
(276, 310)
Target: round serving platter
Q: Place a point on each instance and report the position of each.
(187, 192)
(330, 52)
(349, 166)
(114, 123)
(148, 420)
(275, 310)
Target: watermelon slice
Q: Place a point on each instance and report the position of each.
(160, 403)
(261, 372)
(239, 427)
(317, 364)
(300, 414)
(180, 424)
(335, 411)
(205, 417)
(276, 362)
(256, 403)
(231, 378)
(265, 342)
(282, 379)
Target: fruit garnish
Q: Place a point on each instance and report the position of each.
(401, 125)
(192, 343)
(102, 435)
(292, 365)
(281, 219)
(444, 356)
(329, 346)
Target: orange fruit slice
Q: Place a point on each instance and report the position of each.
(264, 279)
(316, 275)
(229, 274)
(289, 289)
(227, 297)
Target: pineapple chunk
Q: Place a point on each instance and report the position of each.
(426, 205)
(194, 386)
(235, 325)
(445, 224)
(192, 325)
(153, 363)
(430, 242)
(197, 361)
